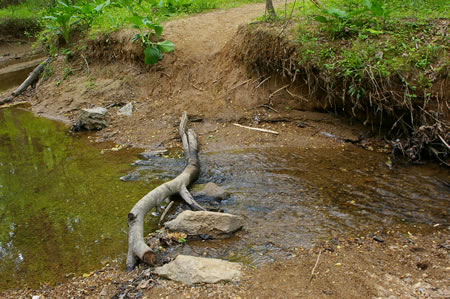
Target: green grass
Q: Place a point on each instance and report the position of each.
(382, 62)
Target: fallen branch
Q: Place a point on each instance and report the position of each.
(87, 64)
(268, 107)
(240, 84)
(137, 248)
(34, 75)
(262, 82)
(277, 91)
(257, 129)
(317, 262)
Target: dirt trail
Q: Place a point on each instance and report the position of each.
(206, 34)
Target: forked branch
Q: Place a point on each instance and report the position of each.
(137, 248)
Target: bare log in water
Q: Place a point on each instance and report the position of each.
(137, 248)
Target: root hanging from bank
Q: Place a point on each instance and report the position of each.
(137, 248)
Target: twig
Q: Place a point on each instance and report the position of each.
(257, 129)
(166, 210)
(277, 91)
(268, 107)
(87, 64)
(262, 82)
(290, 16)
(317, 262)
(444, 142)
(240, 84)
(296, 96)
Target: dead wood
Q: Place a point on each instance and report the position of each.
(34, 75)
(137, 248)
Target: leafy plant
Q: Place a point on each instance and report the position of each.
(149, 31)
(61, 18)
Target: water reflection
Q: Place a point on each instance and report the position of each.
(62, 205)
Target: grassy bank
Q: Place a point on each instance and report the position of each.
(385, 63)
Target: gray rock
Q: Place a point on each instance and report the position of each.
(93, 119)
(214, 191)
(154, 153)
(216, 225)
(190, 270)
(126, 110)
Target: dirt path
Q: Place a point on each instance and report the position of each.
(206, 34)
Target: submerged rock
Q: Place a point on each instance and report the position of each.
(212, 190)
(93, 119)
(190, 270)
(154, 153)
(216, 225)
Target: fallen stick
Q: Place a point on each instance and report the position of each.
(31, 78)
(296, 96)
(262, 82)
(256, 129)
(240, 84)
(137, 248)
(317, 262)
(277, 91)
(268, 107)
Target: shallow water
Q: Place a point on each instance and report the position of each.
(293, 197)
(62, 206)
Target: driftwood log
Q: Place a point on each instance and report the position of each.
(34, 75)
(137, 248)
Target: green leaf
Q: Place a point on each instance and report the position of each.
(136, 21)
(152, 55)
(135, 37)
(166, 46)
(321, 19)
(158, 30)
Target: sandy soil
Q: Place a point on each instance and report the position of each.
(201, 78)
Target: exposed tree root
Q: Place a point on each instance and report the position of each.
(137, 248)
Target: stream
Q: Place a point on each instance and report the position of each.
(63, 207)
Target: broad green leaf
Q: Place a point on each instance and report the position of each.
(158, 30)
(152, 55)
(135, 20)
(321, 19)
(166, 46)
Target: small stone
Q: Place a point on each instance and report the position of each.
(214, 224)
(126, 110)
(190, 270)
(93, 119)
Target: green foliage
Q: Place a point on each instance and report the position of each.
(153, 50)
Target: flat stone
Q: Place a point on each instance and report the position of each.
(216, 225)
(93, 119)
(212, 190)
(190, 270)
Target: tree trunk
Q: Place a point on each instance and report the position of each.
(270, 9)
(137, 248)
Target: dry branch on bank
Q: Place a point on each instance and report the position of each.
(137, 248)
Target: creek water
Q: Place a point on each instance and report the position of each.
(63, 208)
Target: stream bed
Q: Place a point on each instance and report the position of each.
(63, 207)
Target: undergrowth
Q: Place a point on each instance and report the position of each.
(384, 62)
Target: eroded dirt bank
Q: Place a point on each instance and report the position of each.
(201, 77)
